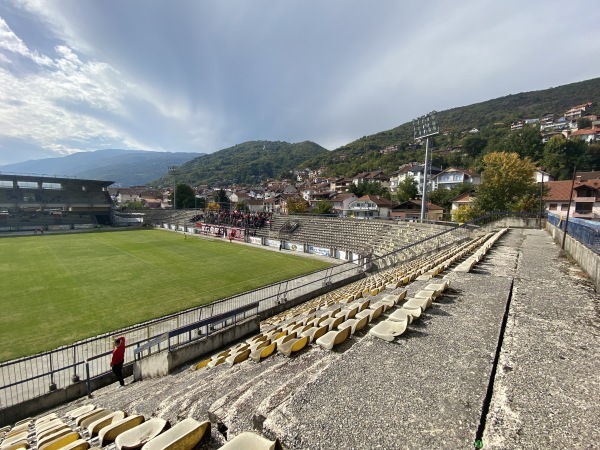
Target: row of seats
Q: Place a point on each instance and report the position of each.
(397, 322)
(90, 427)
(468, 264)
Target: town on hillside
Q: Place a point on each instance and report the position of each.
(396, 195)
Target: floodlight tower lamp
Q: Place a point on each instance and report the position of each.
(424, 127)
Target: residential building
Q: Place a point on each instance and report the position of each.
(589, 135)
(411, 210)
(451, 177)
(540, 175)
(465, 199)
(341, 202)
(370, 206)
(577, 111)
(585, 199)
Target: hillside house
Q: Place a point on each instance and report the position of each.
(411, 210)
(370, 206)
(341, 202)
(451, 177)
(589, 135)
(585, 202)
(577, 111)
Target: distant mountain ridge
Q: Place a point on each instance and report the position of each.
(124, 167)
(248, 162)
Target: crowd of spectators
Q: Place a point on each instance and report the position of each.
(241, 219)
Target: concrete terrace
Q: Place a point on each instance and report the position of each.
(429, 387)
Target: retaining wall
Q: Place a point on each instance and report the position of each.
(587, 259)
(162, 363)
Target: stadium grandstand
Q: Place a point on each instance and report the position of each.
(44, 203)
(446, 337)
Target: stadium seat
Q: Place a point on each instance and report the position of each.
(109, 433)
(94, 427)
(293, 345)
(333, 338)
(332, 322)
(400, 315)
(79, 444)
(53, 435)
(184, 436)
(22, 444)
(91, 413)
(138, 436)
(73, 414)
(250, 441)
(59, 442)
(315, 333)
(354, 324)
(47, 432)
(388, 330)
(264, 352)
(99, 415)
(217, 361)
(238, 357)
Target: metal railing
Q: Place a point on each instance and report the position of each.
(585, 231)
(26, 378)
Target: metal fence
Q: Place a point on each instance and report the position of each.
(585, 231)
(26, 378)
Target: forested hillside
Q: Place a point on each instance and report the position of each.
(249, 162)
(492, 118)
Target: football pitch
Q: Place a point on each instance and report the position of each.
(57, 289)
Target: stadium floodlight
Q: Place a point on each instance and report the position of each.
(424, 127)
(174, 170)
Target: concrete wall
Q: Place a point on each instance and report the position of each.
(588, 260)
(514, 222)
(162, 363)
(39, 405)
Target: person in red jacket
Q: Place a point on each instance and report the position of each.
(118, 358)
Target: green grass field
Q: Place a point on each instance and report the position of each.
(56, 289)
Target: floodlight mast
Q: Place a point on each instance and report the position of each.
(425, 127)
(174, 170)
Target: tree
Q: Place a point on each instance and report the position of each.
(507, 179)
(240, 206)
(526, 142)
(296, 205)
(407, 189)
(474, 144)
(584, 122)
(323, 207)
(443, 197)
(222, 199)
(465, 213)
(555, 158)
(185, 196)
(367, 188)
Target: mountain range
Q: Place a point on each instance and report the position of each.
(124, 167)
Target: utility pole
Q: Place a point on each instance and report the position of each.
(425, 127)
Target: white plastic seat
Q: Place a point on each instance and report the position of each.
(388, 330)
(138, 436)
(333, 338)
(110, 432)
(184, 436)
(354, 324)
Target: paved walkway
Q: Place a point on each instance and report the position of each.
(547, 387)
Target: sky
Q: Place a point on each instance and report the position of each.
(200, 76)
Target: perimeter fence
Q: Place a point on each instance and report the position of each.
(30, 377)
(586, 232)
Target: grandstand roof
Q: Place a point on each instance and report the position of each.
(49, 179)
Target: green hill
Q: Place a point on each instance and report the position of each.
(249, 162)
(363, 154)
